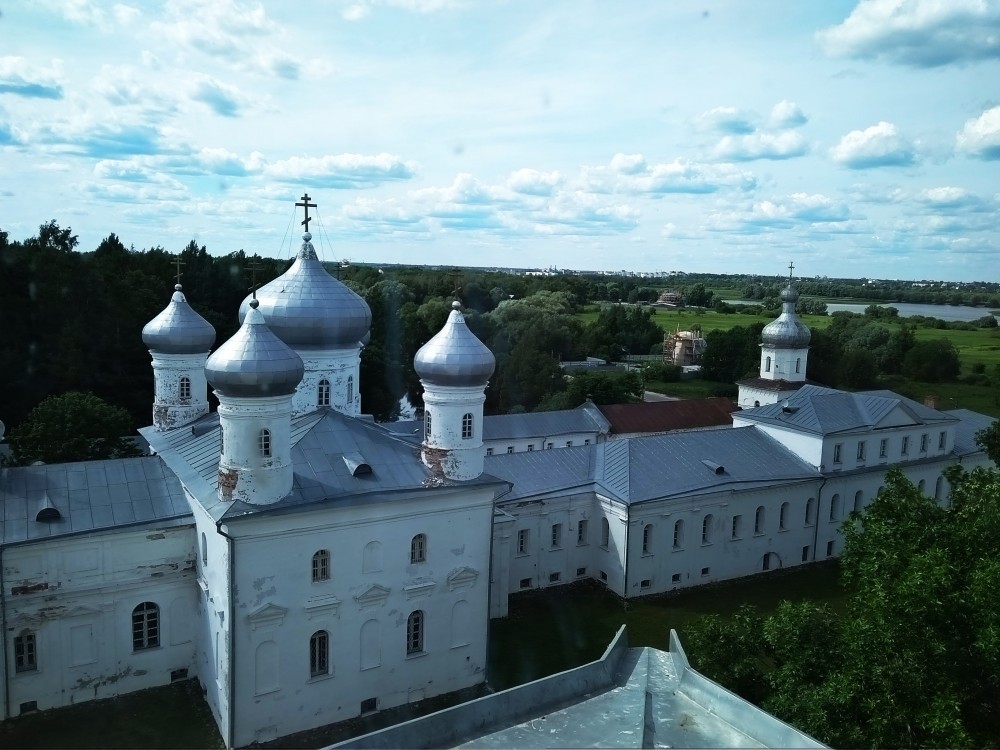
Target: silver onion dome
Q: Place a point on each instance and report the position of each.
(254, 362)
(307, 308)
(178, 329)
(786, 331)
(454, 356)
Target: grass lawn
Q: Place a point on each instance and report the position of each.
(554, 629)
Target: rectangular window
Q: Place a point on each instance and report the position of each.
(861, 450)
(554, 577)
(923, 443)
(706, 571)
(548, 446)
(581, 531)
(321, 566)
(675, 578)
(836, 452)
(645, 583)
(581, 572)
(883, 448)
(467, 426)
(906, 445)
(25, 655)
(737, 526)
(586, 442)
(557, 535)
(829, 549)
(145, 626)
(522, 541)
(805, 553)
(369, 705)
(319, 654)
(942, 439)
(525, 583)
(531, 447)
(415, 632)
(489, 451)
(510, 448)
(604, 576)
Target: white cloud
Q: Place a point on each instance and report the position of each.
(796, 210)
(349, 171)
(356, 10)
(760, 145)
(786, 114)
(631, 174)
(921, 33)
(222, 99)
(21, 78)
(980, 137)
(727, 120)
(534, 182)
(880, 145)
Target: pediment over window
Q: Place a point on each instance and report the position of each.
(419, 588)
(461, 578)
(269, 614)
(317, 606)
(372, 596)
(82, 611)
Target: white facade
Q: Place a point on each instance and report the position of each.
(180, 391)
(453, 430)
(331, 379)
(255, 464)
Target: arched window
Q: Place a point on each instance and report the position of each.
(418, 548)
(184, 387)
(350, 390)
(415, 632)
(466, 426)
(767, 364)
(706, 529)
(371, 645)
(678, 534)
(371, 558)
(798, 364)
(783, 517)
(264, 442)
(605, 532)
(835, 508)
(647, 538)
(858, 497)
(319, 653)
(758, 520)
(321, 566)
(938, 488)
(427, 425)
(145, 626)
(810, 511)
(323, 393)
(921, 484)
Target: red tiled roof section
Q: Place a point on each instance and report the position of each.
(663, 416)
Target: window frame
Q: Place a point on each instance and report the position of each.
(679, 534)
(582, 529)
(605, 533)
(319, 654)
(321, 566)
(418, 549)
(861, 450)
(783, 516)
(264, 443)
(25, 652)
(556, 536)
(706, 528)
(837, 451)
(883, 448)
(323, 392)
(468, 426)
(523, 541)
(145, 626)
(759, 519)
(184, 388)
(415, 633)
(647, 539)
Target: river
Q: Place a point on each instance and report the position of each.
(906, 309)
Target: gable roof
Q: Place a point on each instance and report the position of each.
(90, 496)
(640, 469)
(585, 418)
(665, 416)
(325, 446)
(825, 411)
(970, 422)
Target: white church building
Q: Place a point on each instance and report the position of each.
(308, 565)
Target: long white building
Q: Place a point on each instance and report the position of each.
(308, 565)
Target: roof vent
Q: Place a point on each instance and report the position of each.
(356, 464)
(47, 511)
(717, 468)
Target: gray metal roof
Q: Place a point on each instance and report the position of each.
(320, 442)
(786, 331)
(454, 356)
(970, 422)
(649, 468)
(585, 418)
(178, 329)
(825, 411)
(307, 308)
(89, 495)
(254, 362)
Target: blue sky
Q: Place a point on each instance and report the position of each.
(855, 138)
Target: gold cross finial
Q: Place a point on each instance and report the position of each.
(178, 263)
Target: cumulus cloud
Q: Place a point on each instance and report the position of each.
(727, 120)
(19, 77)
(920, 33)
(341, 171)
(630, 173)
(880, 145)
(534, 182)
(222, 99)
(784, 145)
(105, 140)
(796, 210)
(786, 114)
(356, 10)
(952, 198)
(981, 135)
(89, 13)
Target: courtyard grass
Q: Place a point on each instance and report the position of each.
(550, 630)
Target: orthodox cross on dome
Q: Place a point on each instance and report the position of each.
(306, 205)
(791, 267)
(253, 268)
(178, 263)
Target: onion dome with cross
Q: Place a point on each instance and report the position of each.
(787, 331)
(309, 309)
(454, 356)
(178, 329)
(254, 362)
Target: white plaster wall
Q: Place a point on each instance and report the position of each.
(335, 365)
(783, 364)
(444, 448)
(806, 446)
(894, 446)
(79, 593)
(244, 474)
(538, 442)
(277, 601)
(748, 396)
(169, 409)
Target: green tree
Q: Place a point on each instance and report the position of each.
(989, 440)
(932, 361)
(74, 426)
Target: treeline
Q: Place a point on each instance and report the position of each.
(72, 321)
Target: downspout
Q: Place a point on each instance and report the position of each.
(489, 585)
(3, 617)
(819, 503)
(232, 633)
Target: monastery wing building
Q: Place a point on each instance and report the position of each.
(308, 565)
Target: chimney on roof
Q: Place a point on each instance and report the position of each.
(932, 401)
